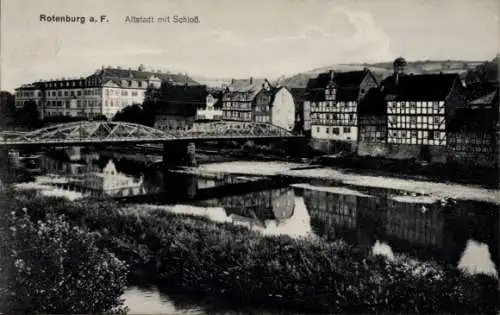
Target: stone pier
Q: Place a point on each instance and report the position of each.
(179, 154)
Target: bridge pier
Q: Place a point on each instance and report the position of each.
(179, 154)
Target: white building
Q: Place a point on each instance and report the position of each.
(105, 92)
(212, 110)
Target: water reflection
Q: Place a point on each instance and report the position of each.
(373, 220)
(428, 231)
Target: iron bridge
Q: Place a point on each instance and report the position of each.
(116, 132)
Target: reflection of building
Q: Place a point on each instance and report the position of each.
(257, 207)
(53, 166)
(334, 209)
(407, 221)
(111, 182)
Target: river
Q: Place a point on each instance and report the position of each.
(390, 217)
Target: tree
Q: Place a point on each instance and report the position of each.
(52, 267)
(7, 108)
(133, 113)
(29, 114)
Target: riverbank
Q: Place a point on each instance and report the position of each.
(198, 256)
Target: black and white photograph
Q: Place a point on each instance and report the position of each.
(233, 157)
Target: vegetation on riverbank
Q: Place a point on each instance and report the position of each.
(48, 265)
(199, 256)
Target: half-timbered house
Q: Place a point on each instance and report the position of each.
(333, 98)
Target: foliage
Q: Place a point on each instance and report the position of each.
(133, 114)
(29, 114)
(52, 266)
(196, 255)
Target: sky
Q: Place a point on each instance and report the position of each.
(238, 38)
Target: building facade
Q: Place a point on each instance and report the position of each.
(333, 99)
(256, 100)
(212, 109)
(178, 106)
(419, 107)
(472, 134)
(105, 92)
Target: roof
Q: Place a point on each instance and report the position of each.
(372, 103)
(473, 120)
(145, 75)
(488, 99)
(249, 87)
(347, 84)
(298, 94)
(422, 87)
(181, 100)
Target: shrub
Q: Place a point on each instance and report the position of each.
(53, 267)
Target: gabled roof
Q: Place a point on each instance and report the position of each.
(421, 87)
(372, 103)
(347, 85)
(298, 94)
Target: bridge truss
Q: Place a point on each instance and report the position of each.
(111, 132)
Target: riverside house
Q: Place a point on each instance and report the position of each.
(333, 99)
(258, 101)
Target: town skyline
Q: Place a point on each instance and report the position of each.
(262, 40)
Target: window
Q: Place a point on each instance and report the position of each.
(66, 93)
(59, 93)
(436, 120)
(327, 130)
(317, 129)
(414, 134)
(335, 131)
(430, 135)
(413, 120)
(129, 83)
(79, 93)
(134, 93)
(347, 129)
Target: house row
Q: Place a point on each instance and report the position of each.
(427, 117)
(246, 100)
(105, 92)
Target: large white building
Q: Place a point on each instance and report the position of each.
(105, 92)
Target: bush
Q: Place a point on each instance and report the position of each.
(51, 266)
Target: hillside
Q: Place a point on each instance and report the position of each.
(384, 69)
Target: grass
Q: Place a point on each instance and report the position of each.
(195, 255)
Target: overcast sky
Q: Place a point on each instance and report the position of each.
(239, 38)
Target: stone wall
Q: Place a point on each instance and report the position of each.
(333, 146)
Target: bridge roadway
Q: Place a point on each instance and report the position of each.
(104, 141)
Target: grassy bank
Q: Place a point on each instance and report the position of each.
(196, 255)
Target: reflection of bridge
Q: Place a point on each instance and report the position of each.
(83, 133)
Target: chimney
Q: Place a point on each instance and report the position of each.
(332, 75)
(251, 80)
(232, 81)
